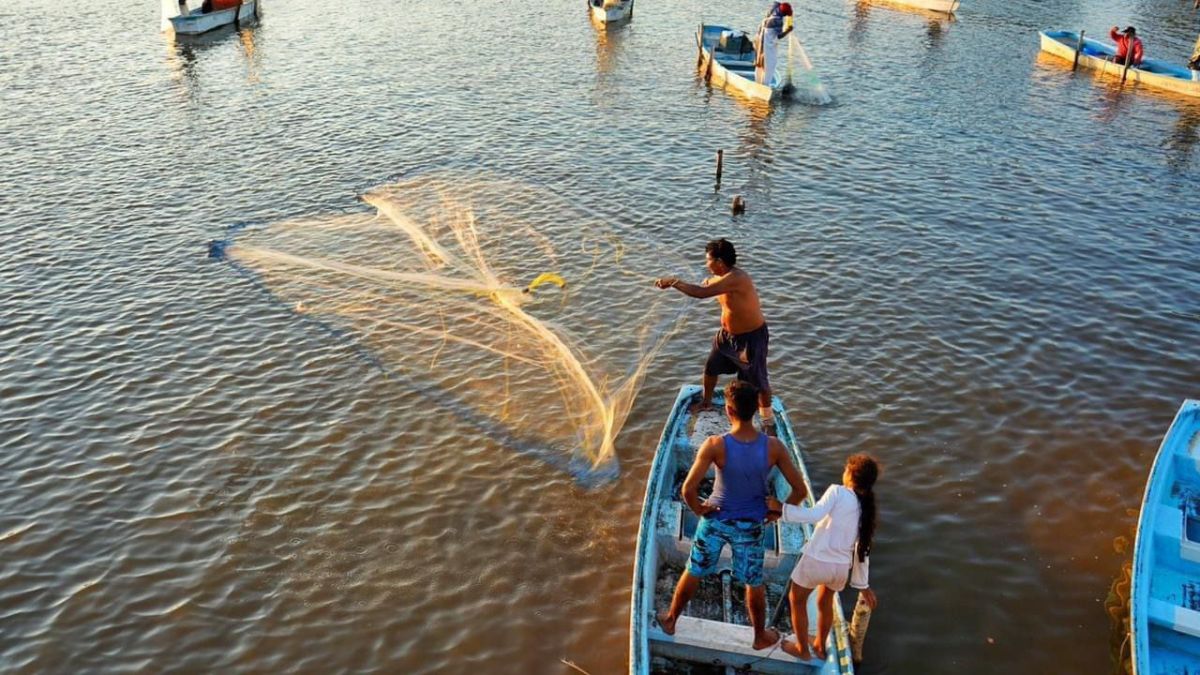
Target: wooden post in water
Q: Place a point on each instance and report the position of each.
(720, 163)
(1079, 48)
(236, 19)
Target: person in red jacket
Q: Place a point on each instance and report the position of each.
(1124, 39)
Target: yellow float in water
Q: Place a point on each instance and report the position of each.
(546, 278)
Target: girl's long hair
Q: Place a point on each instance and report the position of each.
(864, 471)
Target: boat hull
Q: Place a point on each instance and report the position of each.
(734, 74)
(662, 548)
(622, 11)
(1098, 56)
(1165, 594)
(940, 6)
(196, 23)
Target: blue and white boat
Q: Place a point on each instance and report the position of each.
(714, 631)
(726, 58)
(1102, 57)
(1165, 600)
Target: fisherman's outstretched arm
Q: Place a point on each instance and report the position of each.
(708, 290)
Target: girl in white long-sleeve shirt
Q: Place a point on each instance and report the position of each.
(839, 548)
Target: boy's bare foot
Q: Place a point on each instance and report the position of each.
(667, 623)
(701, 406)
(768, 638)
(818, 649)
(792, 647)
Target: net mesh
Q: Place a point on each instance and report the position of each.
(497, 296)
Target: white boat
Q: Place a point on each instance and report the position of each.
(942, 6)
(714, 629)
(727, 60)
(610, 11)
(1165, 599)
(1101, 56)
(194, 20)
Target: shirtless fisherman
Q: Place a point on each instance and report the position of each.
(741, 344)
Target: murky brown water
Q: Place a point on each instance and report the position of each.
(977, 266)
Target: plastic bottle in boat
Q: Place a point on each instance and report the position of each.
(858, 628)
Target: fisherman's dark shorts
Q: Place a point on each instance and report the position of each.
(744, 354)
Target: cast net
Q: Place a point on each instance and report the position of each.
(513, 305)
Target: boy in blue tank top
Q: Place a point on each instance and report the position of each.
(734, 514)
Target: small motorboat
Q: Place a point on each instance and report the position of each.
(1165, 598)
(209, 15)
(610, 11)
(1102, 57)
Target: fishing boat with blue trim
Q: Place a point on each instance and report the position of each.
(1165, 599)
(1101, 56)
(726, 58)
(714, 634)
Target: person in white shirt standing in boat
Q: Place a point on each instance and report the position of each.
(740, 346)
(774, 28)
(840, 547)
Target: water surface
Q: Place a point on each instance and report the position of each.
(977, 265)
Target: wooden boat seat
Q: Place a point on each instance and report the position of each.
(720, 643)
(1168, 527)
(736, 64)
(684, 523)
(1177, 618)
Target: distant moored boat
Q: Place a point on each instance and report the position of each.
(943, 6)
(610, 11)
(1165, 599)
(212, 14)
(1101, 56)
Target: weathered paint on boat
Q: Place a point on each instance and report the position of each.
(663, 538)
(1165, 598)
(614, 13)
(195, 23)
(731, 71)
(1099, 56)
